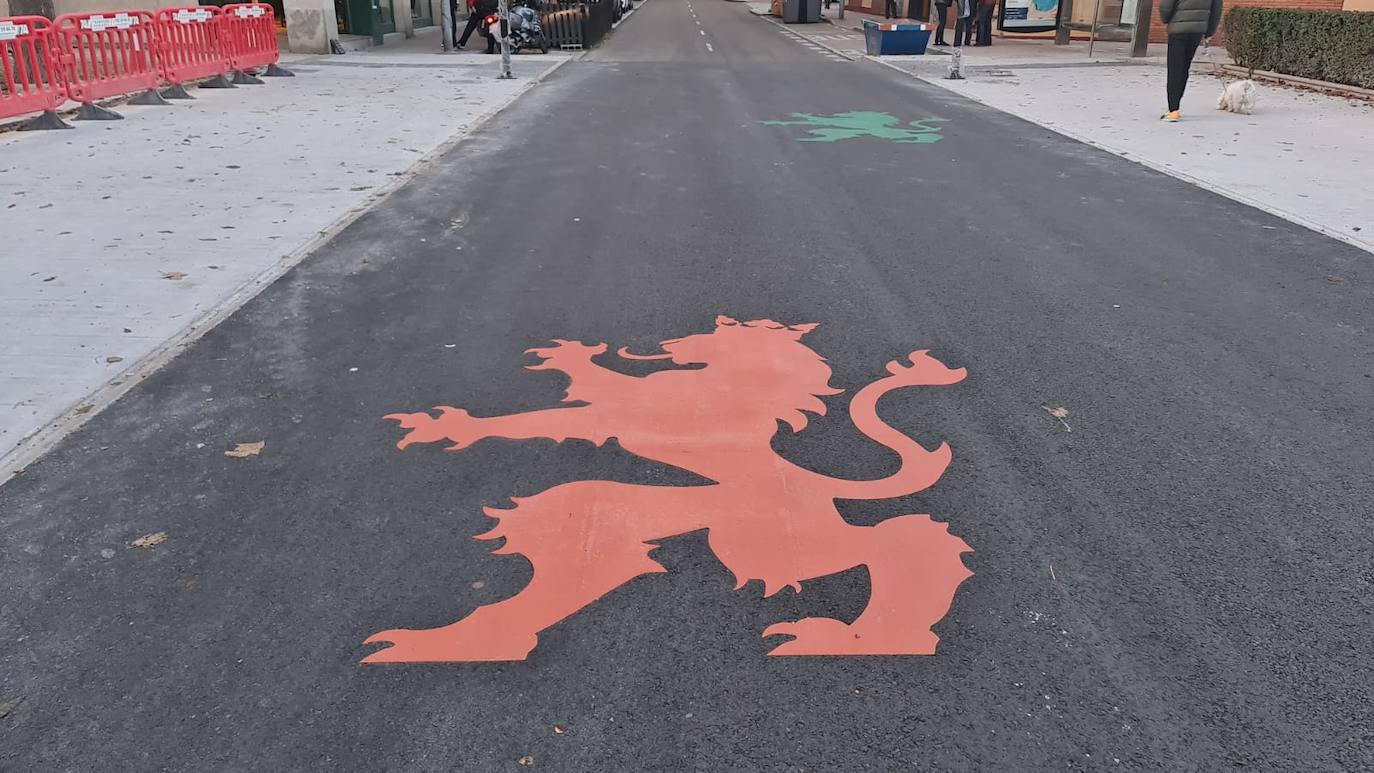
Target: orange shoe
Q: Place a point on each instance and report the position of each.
(1172, 116)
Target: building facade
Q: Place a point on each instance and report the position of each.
(308, 26)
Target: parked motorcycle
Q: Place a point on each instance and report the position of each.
(524, 29)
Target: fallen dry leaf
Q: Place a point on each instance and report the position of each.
(245, 450)
(8, 706)
(83, 409)
(1060, 413)
(150, 540)
(174, 275)
(114, 359)
(526, 760)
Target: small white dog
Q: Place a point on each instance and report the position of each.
(1238, 97)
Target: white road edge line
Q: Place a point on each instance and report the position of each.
(843, 55)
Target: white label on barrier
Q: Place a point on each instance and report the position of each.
(252, 11)
(186, 17)
(120, 21)
(9, 30)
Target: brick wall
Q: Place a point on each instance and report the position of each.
(1159, 32)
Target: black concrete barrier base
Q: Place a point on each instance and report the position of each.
(245, 78)
(217, 82)
(176, 91)
(48, 120)
(94, 112)
(273, 71)
(149, 97)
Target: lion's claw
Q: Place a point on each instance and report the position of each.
(562, 348)
(449, 644)
(827, 636)
(453, 424)
(812, 636)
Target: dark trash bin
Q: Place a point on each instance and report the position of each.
(801, 11)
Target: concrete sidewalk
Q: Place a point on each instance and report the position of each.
(1302, 156)
(127, 238)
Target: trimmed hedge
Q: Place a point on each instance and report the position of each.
(1335, 46)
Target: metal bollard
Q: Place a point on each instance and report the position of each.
(956, 68)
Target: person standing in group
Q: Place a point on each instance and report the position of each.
(1189, 22)
(963, 26)
(985, 10)
(941, 11)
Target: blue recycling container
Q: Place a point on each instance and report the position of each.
(895, 38)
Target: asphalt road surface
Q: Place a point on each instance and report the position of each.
(1176, 574)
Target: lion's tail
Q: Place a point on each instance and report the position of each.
(920, 467)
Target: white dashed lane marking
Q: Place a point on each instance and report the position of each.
(806, 40)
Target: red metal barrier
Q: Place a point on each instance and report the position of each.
(190, 43)
(107, 54)
(250, 37)
(32, 79)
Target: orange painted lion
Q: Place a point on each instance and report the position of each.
(766, 518)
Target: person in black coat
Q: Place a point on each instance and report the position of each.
(963, 26)
(1190, 21)
(941, 10)
(985, 10)
(477, 11)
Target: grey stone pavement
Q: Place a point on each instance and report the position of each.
(122, 237)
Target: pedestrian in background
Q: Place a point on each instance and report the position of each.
(984, 26)
(453, 21)
(941, 11)
(890, 10)
(963, 25)
(477, 11)
(1189, 22)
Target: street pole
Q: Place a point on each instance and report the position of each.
(376, 24)
(503, 11)
(1092, 35)
(1140, 36)
(446, 18)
